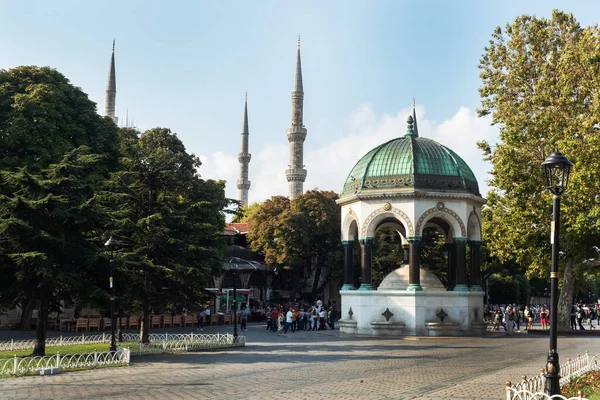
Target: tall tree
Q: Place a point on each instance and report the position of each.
(48, 224)
(541, 84)
(301, 235)
(43, 116)
(168, 220)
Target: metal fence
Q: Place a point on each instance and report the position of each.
(159, 343)
(28, 365)
(533, 387)
(99, 338)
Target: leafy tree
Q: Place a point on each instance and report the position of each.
(301, 235)
(541, 84)
(168, 220)
(48, 225)
(43, 116)
(388, 254)
(245, 213)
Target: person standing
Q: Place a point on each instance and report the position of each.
(580, 315)
(572, 317)
(275, 319)
(244, 318)
(288, 321)
(200, 317)
(509, 316)
(207, 314)
(544, 317)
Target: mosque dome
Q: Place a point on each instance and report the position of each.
(409, 163)
(398, 280)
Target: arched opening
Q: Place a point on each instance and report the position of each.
(390, 249)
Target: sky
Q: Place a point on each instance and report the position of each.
(186, 65)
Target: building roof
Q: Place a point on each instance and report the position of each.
(408, 163)
(232, 229)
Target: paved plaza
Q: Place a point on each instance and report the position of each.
(314, 365)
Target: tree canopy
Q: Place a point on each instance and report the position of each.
(540, 82)
(301, 235)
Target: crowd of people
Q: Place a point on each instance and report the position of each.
(512, 317)
(300, 317)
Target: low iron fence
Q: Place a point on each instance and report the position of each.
(533, 387)
(159, 343)
(30, 365)
(101, 338)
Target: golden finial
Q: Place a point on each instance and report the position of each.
(414, 102)
(298, 40)
(113, 45)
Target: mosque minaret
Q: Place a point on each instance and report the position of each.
(243, 184)
(296, 174)
(111, 89)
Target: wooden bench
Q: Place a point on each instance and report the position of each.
(155, 321)
(94, 323)
(177, 321)
(189, 320)
(81, 323)
(134, 321)
(123, 322)
(107, 323)
(227, 319)
(167, 321)
(214, 319)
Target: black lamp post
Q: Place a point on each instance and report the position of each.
(235, 331)
(557, 168)
(111, 244)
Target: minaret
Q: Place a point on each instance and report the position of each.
(416, 129)
(111, 88)
(243, 184)
(296, 174)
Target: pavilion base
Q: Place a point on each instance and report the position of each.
(419, 311)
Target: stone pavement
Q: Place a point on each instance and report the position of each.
(314, 365)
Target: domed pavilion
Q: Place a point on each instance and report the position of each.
(408, 184)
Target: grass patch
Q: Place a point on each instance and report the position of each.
(588, 384)
(70, 349)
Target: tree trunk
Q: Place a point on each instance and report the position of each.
(315, 287)
(40, 331)
(145, 325)
(26, 313)
(565, 298)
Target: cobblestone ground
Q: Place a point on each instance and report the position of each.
(312, 365)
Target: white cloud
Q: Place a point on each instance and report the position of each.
(329, 165)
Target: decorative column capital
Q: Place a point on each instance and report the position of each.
(347, 242)
(461, 240)
(367, 241)
(475, 243)
(413, 239)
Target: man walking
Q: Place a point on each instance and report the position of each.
(200, 317)
(288, 321)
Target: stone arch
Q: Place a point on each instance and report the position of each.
(474, 226)
(368, 227)
(440, 210)
(346, 225)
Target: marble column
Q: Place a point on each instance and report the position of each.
(461, 267)
(474, 246)
(406, 249)
(366, 258)
(451, 248)
(348, 265)
(414, 261)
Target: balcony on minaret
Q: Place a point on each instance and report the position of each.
(244, 158)
(243, 184)
(295, 174)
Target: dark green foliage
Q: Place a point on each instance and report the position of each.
(48, 222)
(168, 220)
(43, 116)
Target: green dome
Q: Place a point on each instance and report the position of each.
(410, 162)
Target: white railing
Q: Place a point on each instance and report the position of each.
(187, 342)
(29, 365)
(532, 388)
(99, 338)
(513, 394)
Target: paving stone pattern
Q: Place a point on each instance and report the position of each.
(314, 365)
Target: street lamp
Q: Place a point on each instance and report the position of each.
(111, 244)
(557, 168)
(235, 331)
